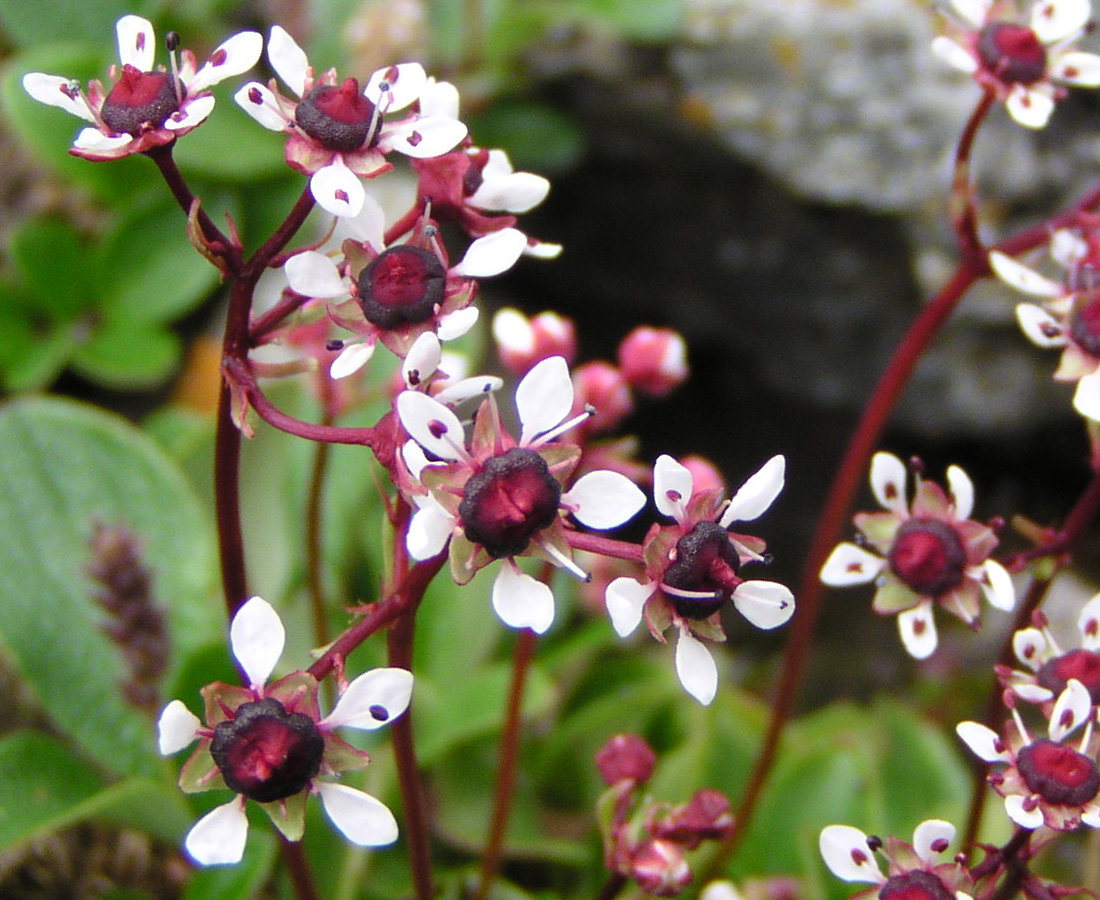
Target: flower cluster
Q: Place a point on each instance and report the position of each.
(921, 554)
(269, 743)
(693, 569)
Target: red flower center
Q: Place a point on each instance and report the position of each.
(706, 562)
(928, 556)
(1058, 774)
(1084, 665)
(1012, 53)
(1084, 323)
(402, 286)
(915, 885)
(266, 753)
(139, 101)
(508, 501)
(337, 116)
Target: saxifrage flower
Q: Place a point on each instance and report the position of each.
(147, 107)
(269, 743)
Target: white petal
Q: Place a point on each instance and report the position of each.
(57, 91)
(415, 460)
(1072, 707)
(422, 359)
(257, 637)
(96, 141)
(1088, 621)
(603, 499)
(193, 112)
(847, 855)
(136, 42)
(372, 700)
(1080, 69)
(258, 101)
(696, 669)
(983, 741)
(314, 274)
(232, 57)
(177, 728)
(954, 54)
(888, 477)
(1067, 247)
(542, 249)
(849, 564)
(454, 325)
(1055, 20)
(424, 137)
(673, 485)
(961, 490)
(218, 838)
(439, 98)
(758, 493)
(1021, 277)
(624, 599)
(1025, 818)
(929, 832)
(1086, 399)
(1039, 326)
(431, 424)
(997, 586)
(492, 254)
(367, 226)
(351, 359)
(521, 601)
(287, 59)
(1032, 693)
(765, 604)
(337, 189)
(468, 388)
(512, 331)
(544, 397)
(1030, 107)
(516, 193)
(403, 85)
(918, 630)
(428, 532)
(973, 12)
(1030, 646)
(361, 818)
(1090, 815)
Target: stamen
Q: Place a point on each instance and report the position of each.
(690, 595)
(1085, 738)
(546, 436)
(1020, 726)
(173, 42)
(564, 562)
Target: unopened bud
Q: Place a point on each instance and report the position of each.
(625, 757)
(659, 868)
(523, 342)
(602, 386)
(705, 817)
(653, 360)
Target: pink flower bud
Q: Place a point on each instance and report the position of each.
(602, 386)
(625, 757)
(653, 360)
(704, 474)
(705, 817)
(660, 869)
(523, 342)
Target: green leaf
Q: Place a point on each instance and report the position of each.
(242, 880)
(537, 137)
(44, 786)
(640, 20)
(230, 146)
(150, 271)
(29, 24)
(53, 261)
(128, 355)
(39, 359)
(65, 468)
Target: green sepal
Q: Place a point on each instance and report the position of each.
(298, 694)
(879, 529)
(894, 597)
(288, 815)
(340, 756)
(220, 697)
(200, 772)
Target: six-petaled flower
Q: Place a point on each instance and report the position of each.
(921, 554)
(269, 743)
(147, 107)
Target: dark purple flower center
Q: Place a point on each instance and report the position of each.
(401, 286)
(1058, 774)
(928, 556)
(915, 885)
(706, 562)
(1084, 665)
(1013, 53)
(266, 753)
(1084, 323)
(139, 101)
(508, 501)
(337, 116)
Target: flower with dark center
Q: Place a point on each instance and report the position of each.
(265, 753)
(1048, 668)
(1057, 773)
(915, 885)
(1081, 664)
(337, 116)
(1013, 52)
(402, 285)
(921, 553)
(706, 563)
(139, 101)
(928, 556)
(513, 497)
